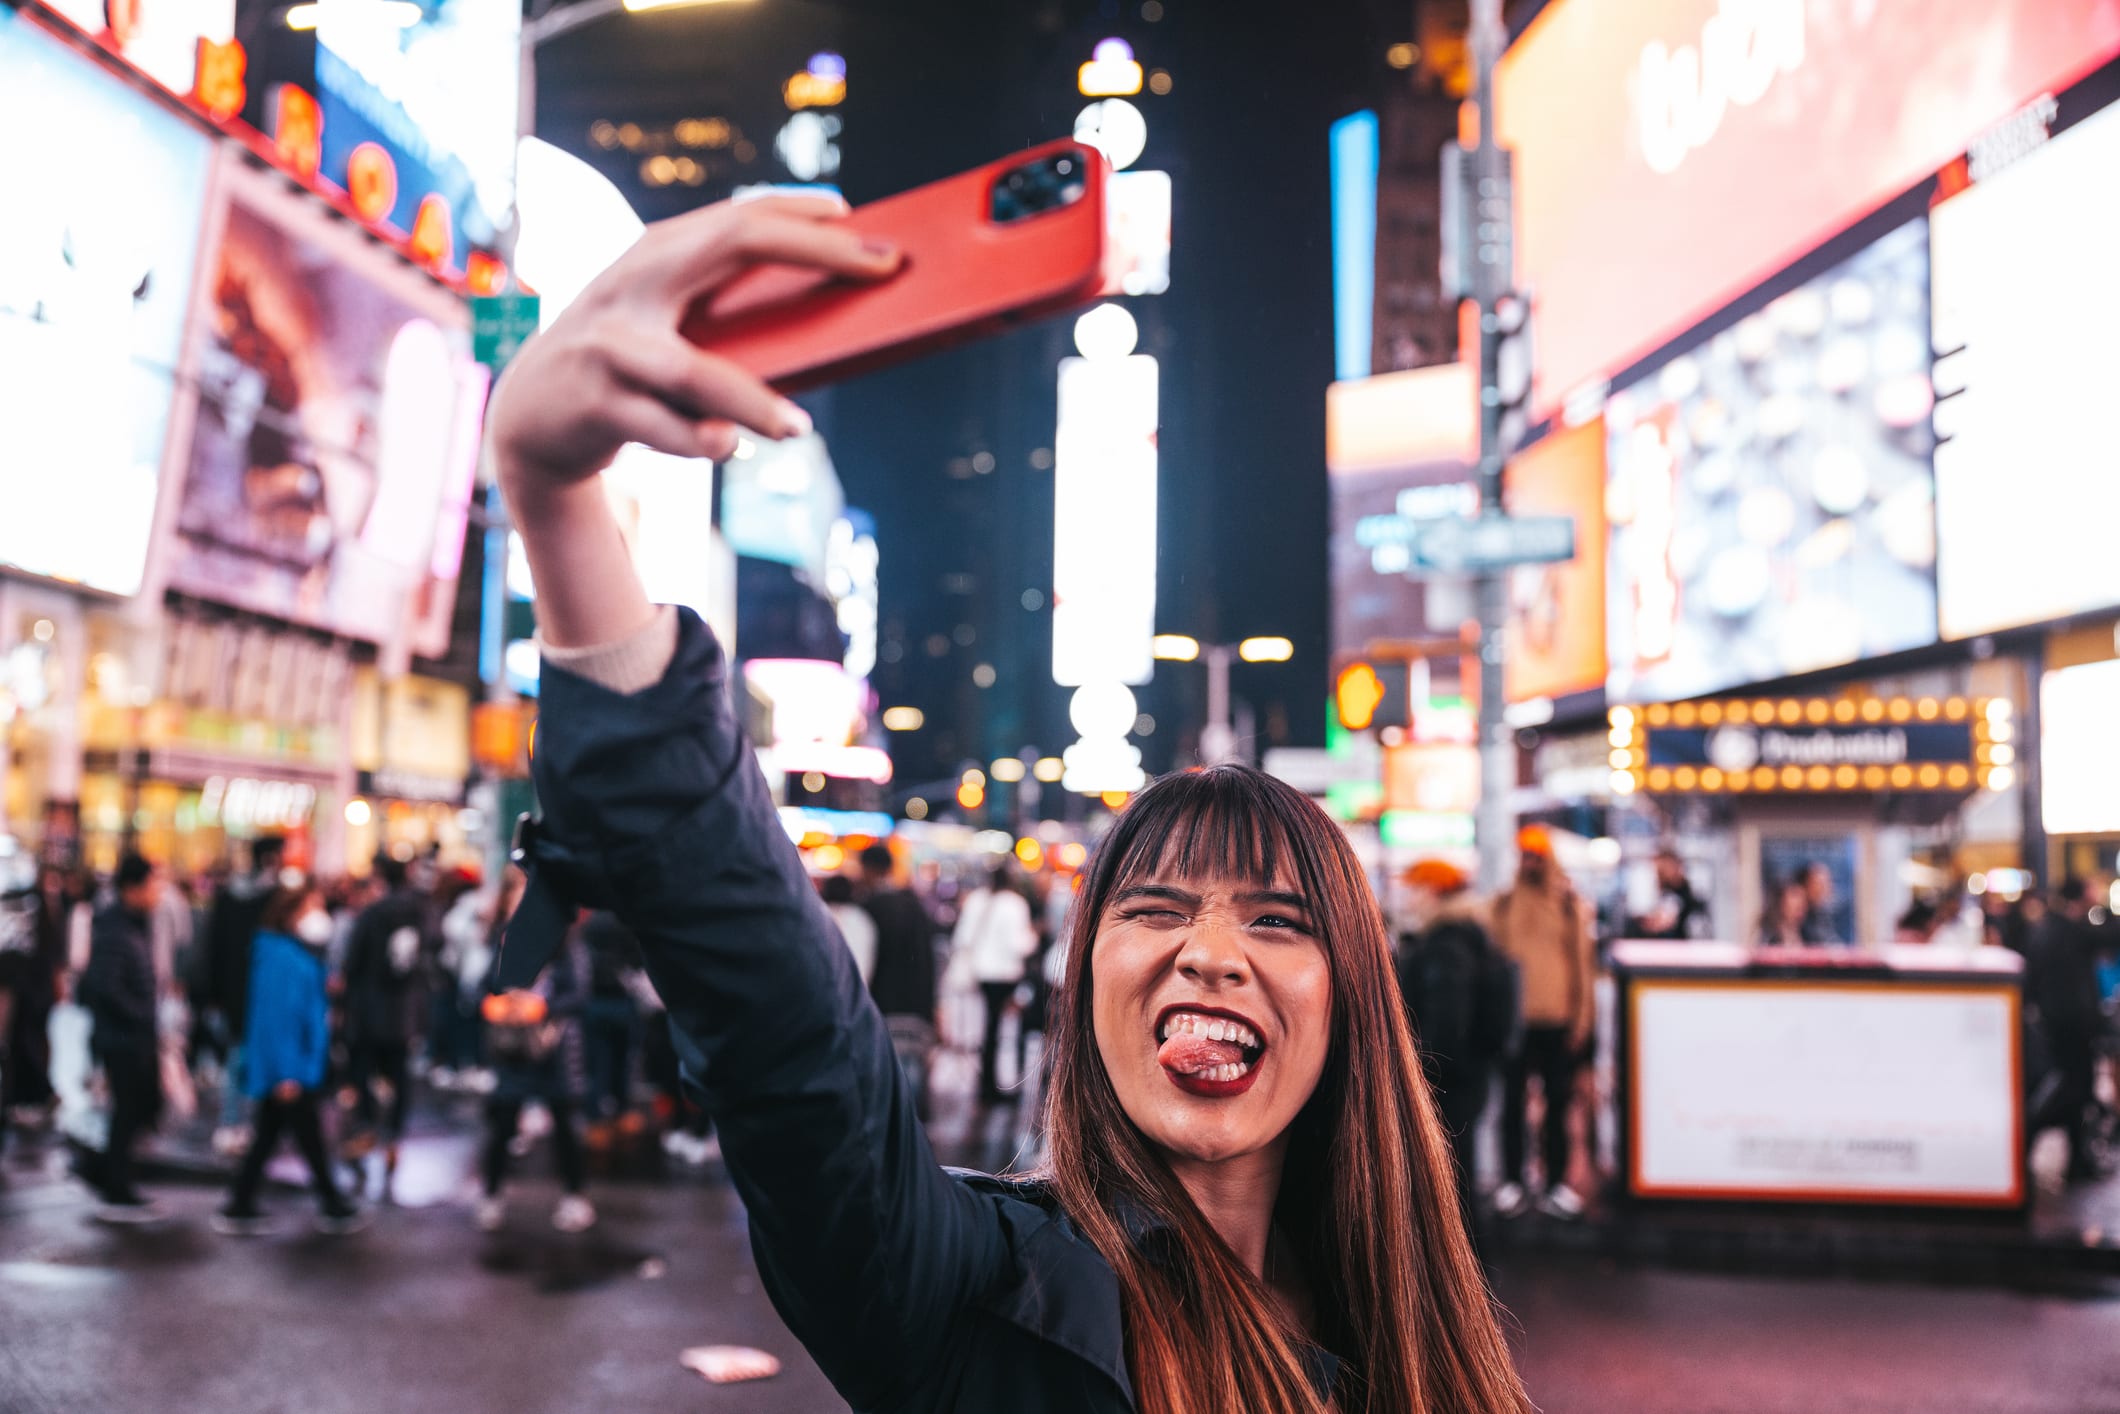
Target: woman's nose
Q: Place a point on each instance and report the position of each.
(1214, 957)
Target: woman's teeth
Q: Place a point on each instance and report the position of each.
(1213, 1028)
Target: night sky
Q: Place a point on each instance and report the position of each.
(1244, 333)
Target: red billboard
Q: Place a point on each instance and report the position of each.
(1672, 154)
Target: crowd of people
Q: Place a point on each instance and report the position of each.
(273, 1006)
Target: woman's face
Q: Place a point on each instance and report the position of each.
(1212, 1007)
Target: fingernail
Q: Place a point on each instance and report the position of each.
(794, 422)
(881, 249)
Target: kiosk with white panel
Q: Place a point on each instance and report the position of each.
(1890, 1076)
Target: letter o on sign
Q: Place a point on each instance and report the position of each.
(371, 181)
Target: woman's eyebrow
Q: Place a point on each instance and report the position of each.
(1157, 891)
(1279, 896)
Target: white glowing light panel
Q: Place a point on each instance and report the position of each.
(2079, 767)
(1836, 1092)
(2027, 471)
(1104, 521)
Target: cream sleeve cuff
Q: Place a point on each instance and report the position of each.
(627, 665)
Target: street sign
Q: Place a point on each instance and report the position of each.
(499, 326)
(1492, 542)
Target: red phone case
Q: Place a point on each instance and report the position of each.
(965, 275)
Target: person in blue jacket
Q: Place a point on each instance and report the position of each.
(1248, 1205)
(286, 1037)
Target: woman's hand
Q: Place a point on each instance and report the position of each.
(613, 369)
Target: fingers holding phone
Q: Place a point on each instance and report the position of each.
(613, 370)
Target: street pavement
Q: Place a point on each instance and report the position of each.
(423, 1313)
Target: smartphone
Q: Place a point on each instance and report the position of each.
(1003, 244)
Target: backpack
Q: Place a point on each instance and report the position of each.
(1463, 994)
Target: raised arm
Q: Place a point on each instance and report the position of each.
(654, 807)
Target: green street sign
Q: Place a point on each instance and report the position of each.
(499, 325)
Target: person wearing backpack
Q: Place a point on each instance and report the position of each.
(1461, 995)
(390, 942)
(1540, 924)
(534, 1036)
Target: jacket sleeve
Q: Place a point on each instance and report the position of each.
(654, 807)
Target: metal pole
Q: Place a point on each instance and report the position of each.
(1491, 280)
(1218, 740)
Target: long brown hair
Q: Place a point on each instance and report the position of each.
(1368, 1197)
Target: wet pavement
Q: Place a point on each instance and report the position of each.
(422, 1312)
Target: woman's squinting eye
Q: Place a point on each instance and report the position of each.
(1282, 922)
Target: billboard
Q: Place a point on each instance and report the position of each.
(439, 96)
(2027, 474)
(1104, 521)
(336, 425)
(1396, 445)
(1671, 154)
(96, 262)
(1770, 499)
(1557, 611)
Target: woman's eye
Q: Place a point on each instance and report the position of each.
(1158, 913)
(1275, 920)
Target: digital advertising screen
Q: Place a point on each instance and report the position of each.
(336, 425)
(96, 263)
(2079, 767)
(1672, 154)
(2027, 294)
(1557, 611)
(1770, 497)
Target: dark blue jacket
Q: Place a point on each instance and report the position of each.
(915, 1288)
(289, 1030)
(117, 987)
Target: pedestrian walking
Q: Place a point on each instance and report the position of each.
(287, 1035)
(231, 930)
(903, 984)
(1540, 925)
(1234, 1081)
(1462, 995)
(117, 988)
(535, 1036)
(384, 957)
(996, 939)
(2062, 992)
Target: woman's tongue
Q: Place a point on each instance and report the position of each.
(1188, 1055)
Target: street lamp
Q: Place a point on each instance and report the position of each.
(1218, 739)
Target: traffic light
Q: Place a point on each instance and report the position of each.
(1367, 695)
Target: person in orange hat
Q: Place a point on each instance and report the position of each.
(1541, 924)
(1461, 995)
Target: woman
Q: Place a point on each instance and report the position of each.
(287, 1033)
(1249, 1203)
(1783, 927)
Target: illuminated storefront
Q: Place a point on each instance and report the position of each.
(411, 748)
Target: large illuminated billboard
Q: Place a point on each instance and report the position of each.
(1104, 521)
(96, 262)
(1672, 154)
(2027, 296)
(335, 428)
(1770, 498)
